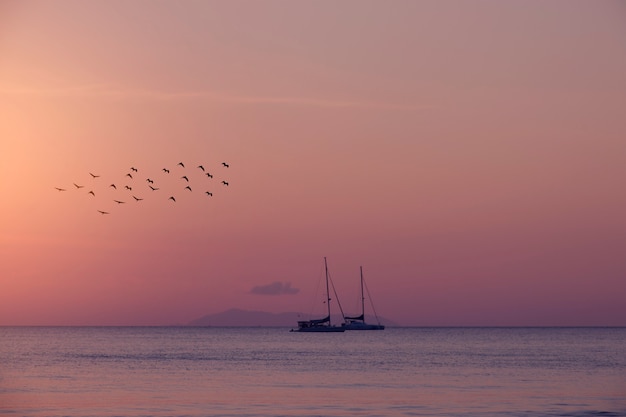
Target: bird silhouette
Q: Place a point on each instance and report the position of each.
(150, 182)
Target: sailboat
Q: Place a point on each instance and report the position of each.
(358, 322)
(320, 325)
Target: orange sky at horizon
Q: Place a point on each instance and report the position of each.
(471, 156)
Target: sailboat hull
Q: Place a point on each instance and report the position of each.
(362, 326)
(319, 329)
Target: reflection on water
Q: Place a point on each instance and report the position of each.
(163, 371)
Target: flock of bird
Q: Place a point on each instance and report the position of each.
(150, 184)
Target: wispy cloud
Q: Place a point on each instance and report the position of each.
(275, 288)
(104, 91)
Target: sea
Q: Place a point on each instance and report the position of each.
(205, 371)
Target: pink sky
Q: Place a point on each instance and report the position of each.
(470, 155)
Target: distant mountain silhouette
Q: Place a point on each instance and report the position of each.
(245, 318)
(240, 318)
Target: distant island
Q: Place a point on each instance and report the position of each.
(245, 318)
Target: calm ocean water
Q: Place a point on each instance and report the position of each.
(181, 371)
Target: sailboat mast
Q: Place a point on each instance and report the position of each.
(327, 290)
(362, 296)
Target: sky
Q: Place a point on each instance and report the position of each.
(469, 155)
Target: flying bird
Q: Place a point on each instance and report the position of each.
(133, 169)
(92, 193)
(113, 185)
(181, 164)
(209, 175)
(153, 188)
(93, 175)
(149, 180)
(128, 175)
(128, 188)
(209, 193)
(184, 177)
(167, 171)
(225, 164)
(201, 167)
(103, 212)
(224, 182)
(60, 189)
(172, 198)
(137, 199)
(119, 202)
(188, 188)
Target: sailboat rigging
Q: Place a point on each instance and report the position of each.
(358, 322)
(324, 324)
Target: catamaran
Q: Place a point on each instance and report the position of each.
(324, 324)
(358, 322)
